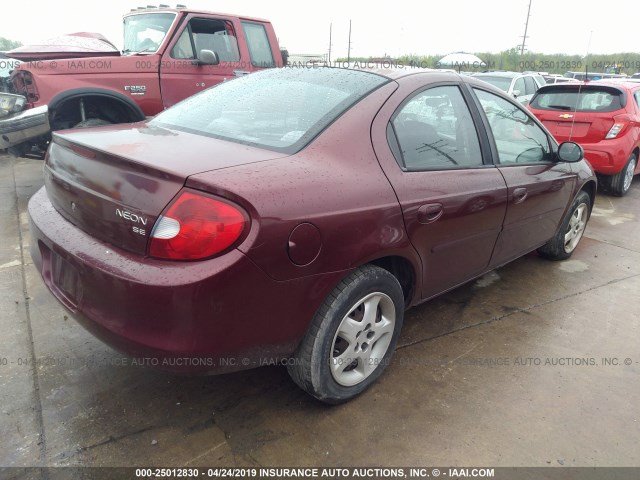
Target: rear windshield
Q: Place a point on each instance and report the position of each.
(503, 83)
(281, 109)
(586, 99)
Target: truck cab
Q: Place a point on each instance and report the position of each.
(82, 80)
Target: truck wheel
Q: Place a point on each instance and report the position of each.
(562, 245)
(352, 336)
(619, 184)
(92, 122)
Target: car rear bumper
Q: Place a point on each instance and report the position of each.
(609, 157)
(212, 316)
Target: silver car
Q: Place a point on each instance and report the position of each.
(521, 85)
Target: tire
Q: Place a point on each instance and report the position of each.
(563, 244)
(349, 344)
(620, 183)
(92, 122)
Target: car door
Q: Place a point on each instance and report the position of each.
(180, 74)
(453, 200)
(539, 187)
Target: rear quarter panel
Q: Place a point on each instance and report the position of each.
(335, 183)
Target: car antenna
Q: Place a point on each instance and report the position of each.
(586, 78)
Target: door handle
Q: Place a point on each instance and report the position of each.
(520, 195)
(430, 212)
(240, 73)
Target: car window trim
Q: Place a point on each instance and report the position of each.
(481, 126)
(397, 153)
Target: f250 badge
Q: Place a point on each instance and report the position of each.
(135, 89)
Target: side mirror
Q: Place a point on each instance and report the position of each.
(516, 93)
(207, 57)
(570, 152)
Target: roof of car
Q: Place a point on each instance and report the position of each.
(391, 73)
(500, 73)
(191, 10)
(405, 71)
(395, 73)
(628, 83)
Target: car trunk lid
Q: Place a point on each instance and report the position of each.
(114, 183)
(577, 127)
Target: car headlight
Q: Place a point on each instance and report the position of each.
(10, 103)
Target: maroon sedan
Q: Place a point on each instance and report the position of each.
(293, 215)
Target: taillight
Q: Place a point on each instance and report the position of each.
(196, 226)
(616, 129)
(621, 122)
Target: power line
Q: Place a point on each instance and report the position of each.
(330, 28)
(349, 49)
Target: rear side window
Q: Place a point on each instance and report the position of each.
(587, 99)
(259, 47)
(435, 131)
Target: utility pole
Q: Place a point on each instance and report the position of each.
(526, 27)
(589, 44)
(586, 57)
(330, 26)
(349, 48)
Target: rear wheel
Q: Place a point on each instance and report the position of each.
(619, 184)
(562, 245)
(352, 337)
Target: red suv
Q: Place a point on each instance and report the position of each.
(602, 116)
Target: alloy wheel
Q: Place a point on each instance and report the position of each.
(577, 225)
(362, 339)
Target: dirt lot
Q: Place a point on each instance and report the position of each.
(535, 364)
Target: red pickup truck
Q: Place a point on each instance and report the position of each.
(83, 80)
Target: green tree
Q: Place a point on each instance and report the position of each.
(511, 60)
(6, 44)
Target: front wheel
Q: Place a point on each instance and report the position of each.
(562, 245)
(352, 337)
